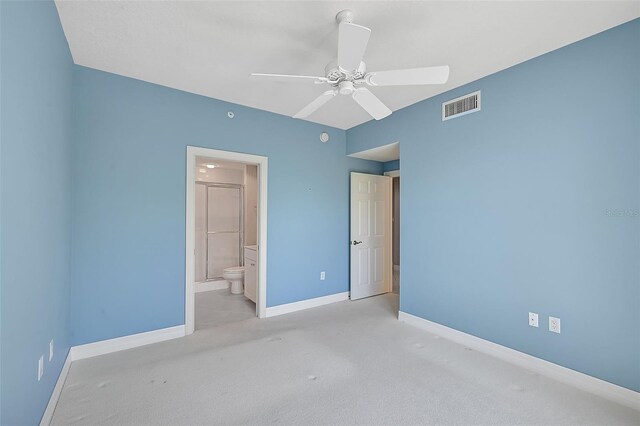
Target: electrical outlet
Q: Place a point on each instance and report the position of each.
(554, 324)
(322, 276)
(50, 350)
(40, 367)
(533, 319)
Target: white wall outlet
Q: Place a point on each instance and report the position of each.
(40, 367)
(50, 350)
(533, 319)
(322, 276)
(554, 324)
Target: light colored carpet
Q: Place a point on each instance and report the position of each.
(346, 363)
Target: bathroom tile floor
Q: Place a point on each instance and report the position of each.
(219, 307)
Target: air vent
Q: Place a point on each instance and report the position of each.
(461, 106)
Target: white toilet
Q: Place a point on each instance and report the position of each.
(235, 276)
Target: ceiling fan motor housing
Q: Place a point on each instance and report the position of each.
(336, 74)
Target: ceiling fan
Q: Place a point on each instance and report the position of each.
(348, 75)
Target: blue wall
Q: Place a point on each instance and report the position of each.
(530, 205)
(129, 201)
(391, 165)
(35, 218)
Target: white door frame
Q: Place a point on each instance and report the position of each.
(392, 174)
(262, 163)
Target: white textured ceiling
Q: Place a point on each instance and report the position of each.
(211, 47)
(381, 153)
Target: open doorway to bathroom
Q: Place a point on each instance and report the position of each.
(226, 231)
(226, 221)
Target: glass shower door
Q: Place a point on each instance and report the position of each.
(224, 228)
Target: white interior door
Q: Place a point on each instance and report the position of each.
(371, 272)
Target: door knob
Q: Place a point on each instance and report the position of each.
(355, 243)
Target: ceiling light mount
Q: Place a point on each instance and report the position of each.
(345, 16)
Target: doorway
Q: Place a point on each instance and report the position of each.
(223, 228)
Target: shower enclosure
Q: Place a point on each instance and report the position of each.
(219, 229)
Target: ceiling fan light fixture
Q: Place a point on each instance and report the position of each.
(346, 87)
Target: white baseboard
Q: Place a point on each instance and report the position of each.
(126, 342)
(210, 285)
(306, 304)
(57, 390)
(565, 375)
(396, 268)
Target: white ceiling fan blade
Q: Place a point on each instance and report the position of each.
(352, 42)
(316, 103)
(287, 78)
(370, 103)
(408, 77)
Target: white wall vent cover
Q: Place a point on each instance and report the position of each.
(461, 106)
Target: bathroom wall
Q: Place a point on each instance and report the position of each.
(128, 229)
(530, 204)
(36, 75)
(251, 206)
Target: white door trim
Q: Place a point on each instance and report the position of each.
(262, 163)
(392, 174)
